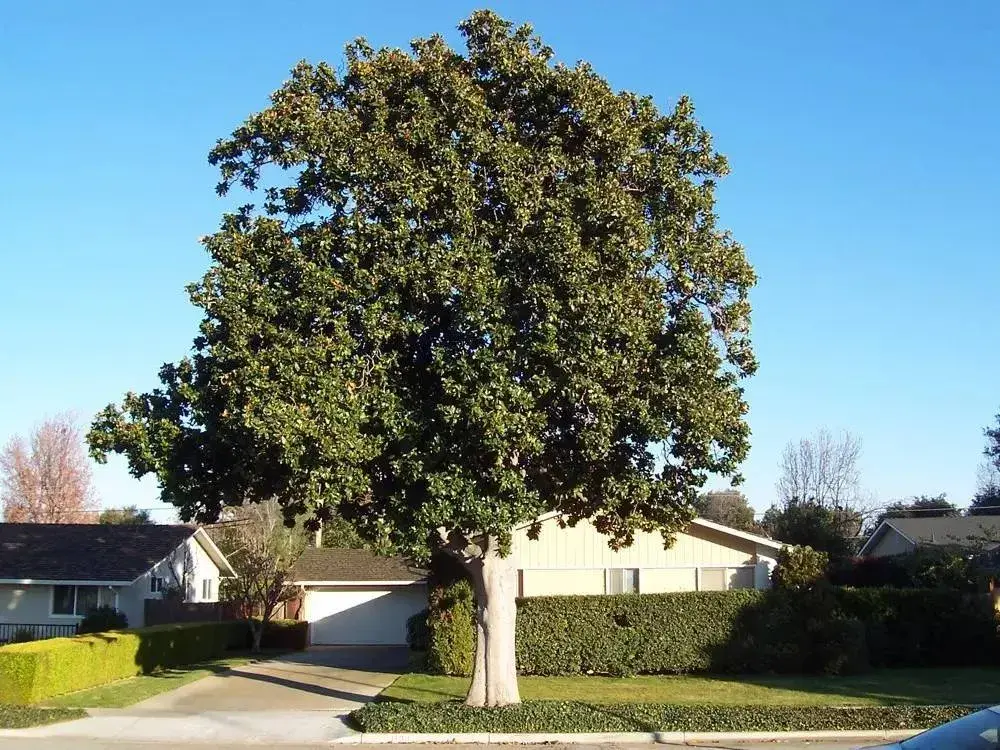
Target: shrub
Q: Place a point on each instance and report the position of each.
(292, 635)
(417, 632)
(101, 620)
(452, 641)
(23, 635)
(32, 672)
(565, 716)
(799, 567)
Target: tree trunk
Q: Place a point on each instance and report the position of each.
(256, 633)
(494, 681)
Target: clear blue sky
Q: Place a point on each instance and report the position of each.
(865, 186)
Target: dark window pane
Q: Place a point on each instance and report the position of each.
(62, 600)
(86, 599)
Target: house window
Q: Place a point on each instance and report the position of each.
(157, 585)
(712, 579)
(79, 600)
(623, 581)
(206, 589)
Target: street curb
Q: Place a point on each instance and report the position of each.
(635, 738)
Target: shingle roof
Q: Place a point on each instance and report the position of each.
(322, 564)
(84, 552)
(947, 531)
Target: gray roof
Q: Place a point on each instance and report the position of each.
(947, 531)
(323, 564)
(85, 551)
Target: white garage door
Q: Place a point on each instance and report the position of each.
(360, 616)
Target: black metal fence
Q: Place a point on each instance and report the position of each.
(10, 631)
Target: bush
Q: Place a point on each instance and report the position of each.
(926, 567)
(101, 620)
(564, 716)
(23, 635)
(32, 672)
(799, 567)
(291, 635)
(417, 632)
(452, 641)
(822, 629)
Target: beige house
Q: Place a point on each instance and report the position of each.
(900, 536)
(354, 597)
(706, 557)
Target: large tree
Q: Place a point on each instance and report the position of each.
(986, 501)
(921, 506)
(478, 287)
(47, 478)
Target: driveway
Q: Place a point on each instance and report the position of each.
(299, 699)
(331, 678)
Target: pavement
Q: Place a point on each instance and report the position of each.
(300, 698)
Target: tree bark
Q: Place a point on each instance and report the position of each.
(494, 680)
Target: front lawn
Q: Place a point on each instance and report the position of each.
(126, 692)
(20, 717)
(885, 687)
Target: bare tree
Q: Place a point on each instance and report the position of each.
(823, 470)
(261, 550)
(47, 479)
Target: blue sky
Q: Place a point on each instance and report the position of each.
(862, 137)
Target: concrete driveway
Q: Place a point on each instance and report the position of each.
(299, 699)
(332, 678)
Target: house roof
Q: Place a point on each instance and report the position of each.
(324, 565)
(772, 544)
(938, 531)
(86, 552)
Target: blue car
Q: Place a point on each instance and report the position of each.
(978, 731)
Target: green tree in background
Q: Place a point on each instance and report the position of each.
(476, 287)
(130, 515)
(728, 507)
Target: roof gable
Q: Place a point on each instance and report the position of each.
(85, 552)
(939, 531)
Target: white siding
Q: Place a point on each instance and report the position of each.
(584, 547)
(891, 543)
(562, 582)
(28, 604)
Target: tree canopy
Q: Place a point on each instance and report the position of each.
(130, 515)
(728, 507)
(473, 287)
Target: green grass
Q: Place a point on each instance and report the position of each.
(19, 717)
(126, 692)
(881, 688)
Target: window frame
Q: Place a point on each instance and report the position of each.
(153, 581)
(102, 596)
(206, 589)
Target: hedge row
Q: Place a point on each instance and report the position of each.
(291, 635)
(20, 717)
(32, 672)
(819, 630)
(568, 716)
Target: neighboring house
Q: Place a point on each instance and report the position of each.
(355, 597)
(899, 536)
(51, 575)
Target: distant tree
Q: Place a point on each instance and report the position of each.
(338, 533)
(921, 506)
(728, 507)
(130, 515)
(823, 470)
(47, 478)
(986, 501)
(829, 530)
(262, 551)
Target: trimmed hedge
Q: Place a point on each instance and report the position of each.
(452, 644)
(568, 716)
(32, 672)
(292, 635)
(20, 717)
(822, 629)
